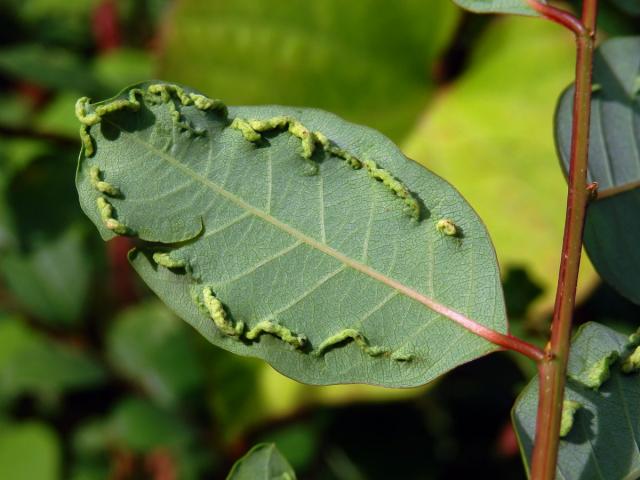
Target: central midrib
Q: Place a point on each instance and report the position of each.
(312, 242)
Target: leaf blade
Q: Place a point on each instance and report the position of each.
(516, 7)
(603, 442)
(248, 221)
(262, 461)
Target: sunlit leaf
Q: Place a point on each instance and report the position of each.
(319, 261)
(518, 7)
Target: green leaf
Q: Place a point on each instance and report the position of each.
(603, 440)
(54, 117)
(52, 281)
(54, 22)
(118, 68)
(32, 363)
(272, 255)
(263, 462)
(517, 7)
(369, 61)
(44, 261)
(632, 7)
(152, 347)
(140, 427)
(47, 66)
(488, 135)
(29, 451)
(612, 226)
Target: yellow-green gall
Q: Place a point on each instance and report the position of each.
(350, 334)
(167, 261)
(245, 128)
(101, 186)
(569, 409)
(631, 364)
(219, 315)
(283, 333)
(447, 227)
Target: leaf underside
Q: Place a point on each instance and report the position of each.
(262, 462)
(613, 224)
(516, 7)
(298, 261)
(604, 440)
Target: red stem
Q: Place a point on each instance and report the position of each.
(552, 371)
(557, 15)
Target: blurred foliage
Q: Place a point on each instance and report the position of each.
(370, 61)
(29, 451)
(99, 380)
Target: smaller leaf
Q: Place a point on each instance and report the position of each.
(612, 225)
(602, 439)
(263, 462)
(517, 7)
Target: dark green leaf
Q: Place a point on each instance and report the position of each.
(29, 451)
(52, 280)
(603, 440)
(152, 347)
(44, 261)
(140, 427)
(632, 7)
(612, 227)
(54, 22)
(518, 7)
(47, 66)
(235, 233)
(263, 462)
(369, 61)
(32, 363)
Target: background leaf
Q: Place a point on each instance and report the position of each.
(330, 54)
(47, 67)
(518, 7)
(138, 427)
(628, 6)
(149, 345)
(612, 225)
(603, 442)
(45, 261)
(488, 135)
(29, 451)
(271, 239)
(31, 363)
(263, 462)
